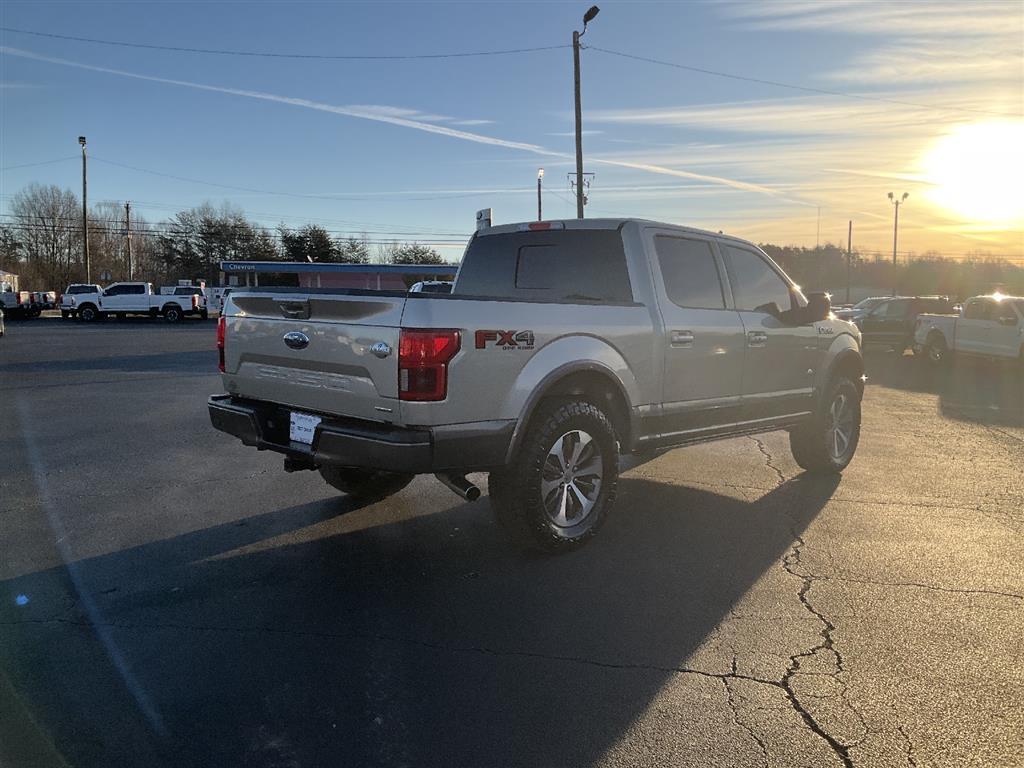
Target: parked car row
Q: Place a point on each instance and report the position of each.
(90, 303)
(891, 320)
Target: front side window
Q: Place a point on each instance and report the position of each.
(114, 290)
(1004, 311)
(755, 285)
(689, 272)
(135, 289)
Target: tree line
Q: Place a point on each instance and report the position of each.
(41, 240)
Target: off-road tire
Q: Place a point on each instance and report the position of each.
(812, 444)
(515, 490)
(88, 313)
(172, 314)
(365, 484)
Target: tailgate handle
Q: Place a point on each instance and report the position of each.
(294, 310)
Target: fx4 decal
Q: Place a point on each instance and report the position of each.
(825, 330)
(505, 339)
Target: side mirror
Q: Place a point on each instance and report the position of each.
(819, 307)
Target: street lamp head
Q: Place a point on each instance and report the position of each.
(590, 14)
(540, 174)
(905, 195)
(81, 140)
(890, 195)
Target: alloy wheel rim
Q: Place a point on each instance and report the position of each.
(840, 433)
(571, 478)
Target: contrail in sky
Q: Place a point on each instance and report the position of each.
(366, 113)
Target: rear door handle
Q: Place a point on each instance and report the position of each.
(682, 338)
(757, 339)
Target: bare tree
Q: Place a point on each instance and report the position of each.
(47, 223)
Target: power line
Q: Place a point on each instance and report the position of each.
(44, 162)
(271, 55)
(805, 88)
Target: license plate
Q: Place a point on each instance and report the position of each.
(302, 427)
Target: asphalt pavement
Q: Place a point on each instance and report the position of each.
(169, 597)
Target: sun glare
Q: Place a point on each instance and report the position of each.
(977, 171)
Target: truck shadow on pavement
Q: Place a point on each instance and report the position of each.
(986, 391)
(308, 637)
(163, 362)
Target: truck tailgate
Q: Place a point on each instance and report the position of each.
(326, 364)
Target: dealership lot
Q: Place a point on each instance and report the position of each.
(170, 597)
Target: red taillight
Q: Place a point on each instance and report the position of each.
(423, 357)
(222, 332)
(195, 301)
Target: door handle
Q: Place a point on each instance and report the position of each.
(757, 339)
(682, 338)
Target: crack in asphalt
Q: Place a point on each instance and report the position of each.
(768, 460)
(909, 751)
(736, 716)
(931, 587)
(841, 750)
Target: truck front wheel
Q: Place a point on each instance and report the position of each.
(365, 484)
(827, 442)
(561, 485)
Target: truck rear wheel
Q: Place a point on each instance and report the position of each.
(827, 442)
(366, 484)
(561, 485)
(172, 313)
(935, 350)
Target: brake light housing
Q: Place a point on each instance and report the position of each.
(423, 358)
(222, 332)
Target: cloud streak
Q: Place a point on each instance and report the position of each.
(394, 116)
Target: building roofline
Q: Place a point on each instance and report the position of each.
(241, 267)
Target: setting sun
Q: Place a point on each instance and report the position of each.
(976, 170)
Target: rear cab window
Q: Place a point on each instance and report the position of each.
(552, 265)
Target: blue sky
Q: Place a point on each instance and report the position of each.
(382, 146)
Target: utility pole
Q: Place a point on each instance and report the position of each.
(85, 216)
(817, 231)
(895, 233)
(128, 234)
(540, 175)
(587, 18)
(849, 257)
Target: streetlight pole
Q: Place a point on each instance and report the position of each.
(540, 175)
(895, 232)
(85, 216)
(587, 18)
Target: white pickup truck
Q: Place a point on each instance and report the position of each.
(121, 299)
(987, 326)
(18, 303)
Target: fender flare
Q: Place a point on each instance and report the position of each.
(550, 380)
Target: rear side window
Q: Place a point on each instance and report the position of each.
(978, 310)
(755, 284)
(689, 272)
(134, 289)
(559, 265)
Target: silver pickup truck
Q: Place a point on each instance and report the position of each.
(562, 346)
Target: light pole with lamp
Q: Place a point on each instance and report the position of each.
(540, 175)
(587, 18)
(85, 217)
(895, 231)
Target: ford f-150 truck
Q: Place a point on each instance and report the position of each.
(563, 345)
(987, 326)
(121, 299)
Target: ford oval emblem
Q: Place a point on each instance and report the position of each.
(381, 349)
(296, 340)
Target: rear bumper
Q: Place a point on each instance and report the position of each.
(359, 443)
